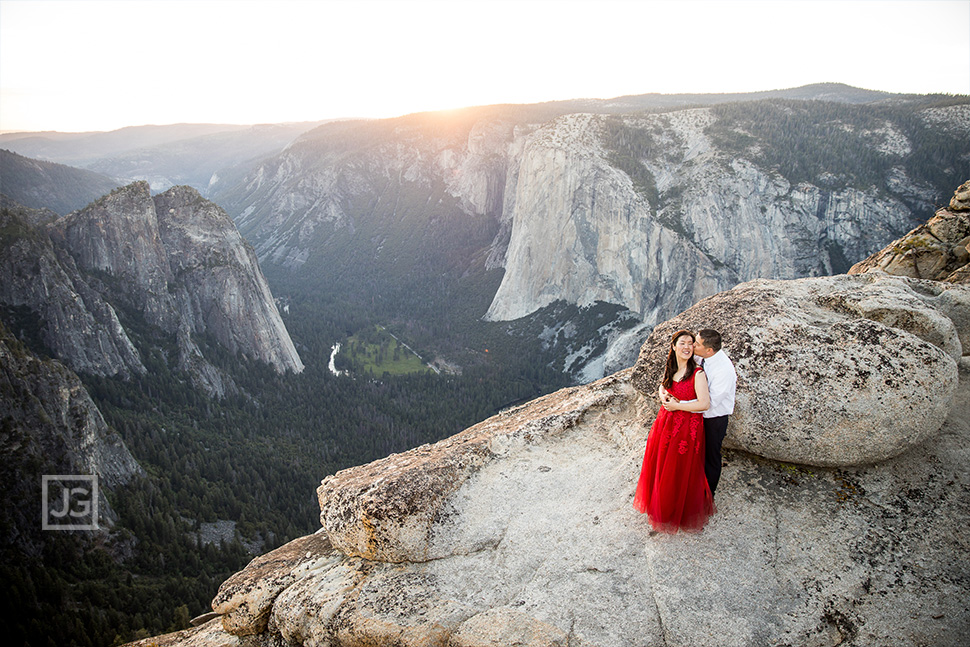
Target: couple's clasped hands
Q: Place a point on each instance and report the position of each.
(668, 401)
(698, 405)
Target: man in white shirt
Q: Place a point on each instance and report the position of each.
(722, 382)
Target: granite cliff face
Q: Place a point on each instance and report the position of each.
(220, 289)
(118, 237)
(520, 530)
(46, 397)
(582, 232)
(650, 212)
(175, 262)
(59, 306)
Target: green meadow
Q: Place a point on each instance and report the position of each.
(375, 352)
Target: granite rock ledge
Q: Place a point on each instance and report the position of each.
(521, 530)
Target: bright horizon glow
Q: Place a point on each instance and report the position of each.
(96, 66)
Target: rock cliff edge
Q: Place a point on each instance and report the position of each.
(840, 512)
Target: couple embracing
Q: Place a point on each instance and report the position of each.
(682, 461)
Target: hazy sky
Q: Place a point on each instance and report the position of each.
(83, 65)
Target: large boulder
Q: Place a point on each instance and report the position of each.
(832, 371)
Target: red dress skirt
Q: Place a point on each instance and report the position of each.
(672, 488)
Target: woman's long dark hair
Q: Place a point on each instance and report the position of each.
(671, 368)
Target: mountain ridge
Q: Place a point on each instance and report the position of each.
(141, 152)
(175, 262)
(649, 211)
(59, 187)
(165, 156)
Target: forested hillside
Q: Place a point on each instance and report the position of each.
(45, 185)
(840, 145)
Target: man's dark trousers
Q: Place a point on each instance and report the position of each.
(714, 431)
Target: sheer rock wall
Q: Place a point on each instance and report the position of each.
(175, 260)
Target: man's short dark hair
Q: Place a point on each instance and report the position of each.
(711, 339)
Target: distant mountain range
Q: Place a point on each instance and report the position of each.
(164, 156)
(649, 202)
(46, 185)
(201, 155)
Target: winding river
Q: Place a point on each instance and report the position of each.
(333, 356)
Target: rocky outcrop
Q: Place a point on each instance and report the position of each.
(389, 510)
(938, 249)
(832, 371)
(75, 322)
(793, 556)
(520, 530)
(44, 395)
(175, 261)
(245, 599)
(219, 288)
(50, 427)
(961, 198)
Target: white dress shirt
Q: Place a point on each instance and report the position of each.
(722, 381)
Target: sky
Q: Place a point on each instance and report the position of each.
(82, 65)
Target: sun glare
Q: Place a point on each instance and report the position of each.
(104, 65)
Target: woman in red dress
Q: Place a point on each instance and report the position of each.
(672, 489)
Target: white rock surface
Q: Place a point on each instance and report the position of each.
(222, 291)
(581, 233)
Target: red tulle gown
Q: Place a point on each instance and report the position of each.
(673, 489)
